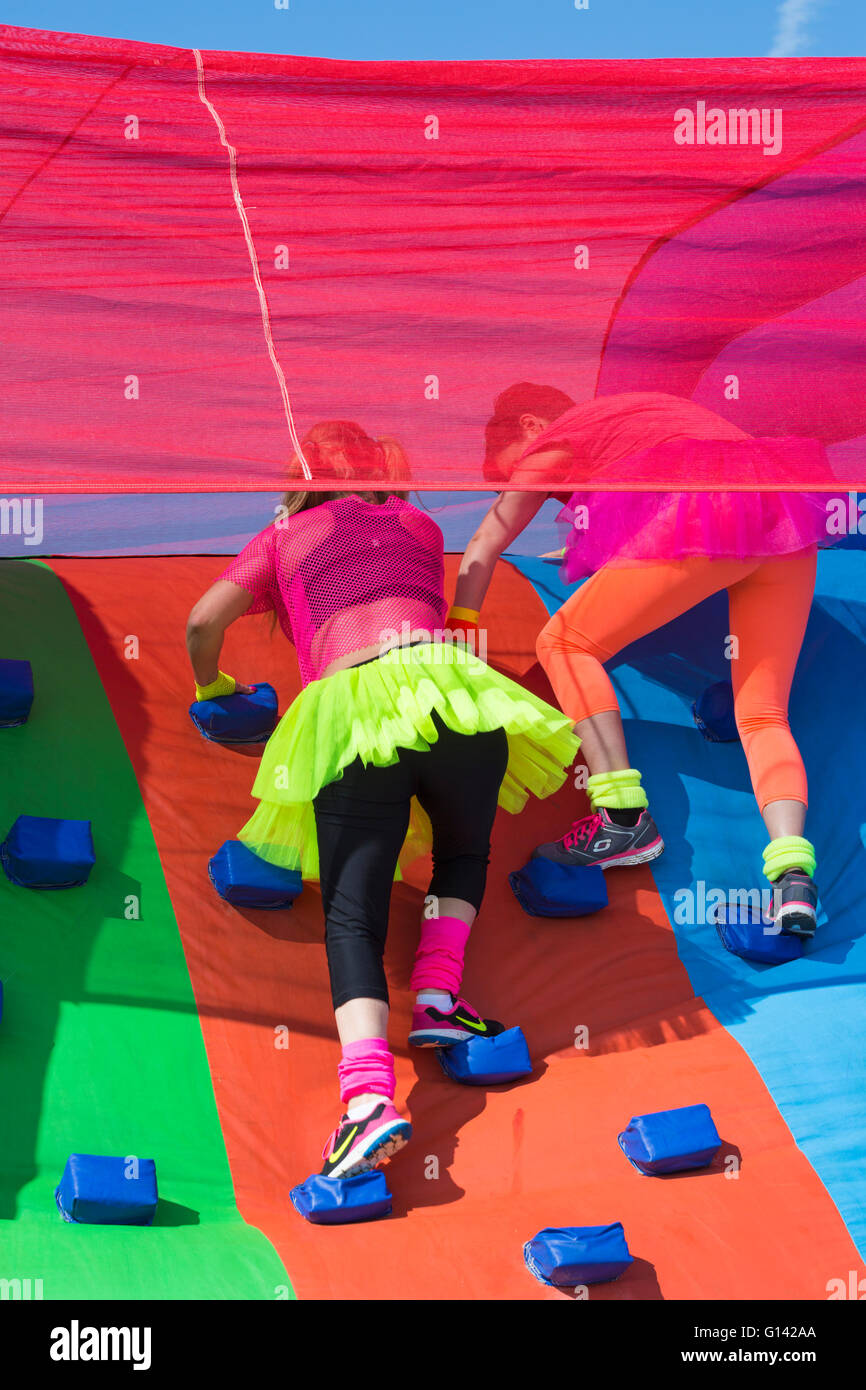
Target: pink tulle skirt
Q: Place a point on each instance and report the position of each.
(634, 528)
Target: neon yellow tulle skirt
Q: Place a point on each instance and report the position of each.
(374, 710)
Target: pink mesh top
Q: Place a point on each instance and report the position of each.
(346, 575)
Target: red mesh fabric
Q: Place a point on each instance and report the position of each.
(204, 254)
(344, 576)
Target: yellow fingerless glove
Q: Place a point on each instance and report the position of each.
(223, 685)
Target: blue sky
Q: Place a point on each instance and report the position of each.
(468, 28)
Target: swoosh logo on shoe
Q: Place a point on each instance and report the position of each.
(468, 1023)
(336, 1155)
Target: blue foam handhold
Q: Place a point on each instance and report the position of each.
(546, 889)
(100, 1191)
(565, 1256)
(335, 1201)
(487, 1061)
(714, 713)
(670, 1141)
(746, 932)
(16, 692)
(246, 880)
(40, 852)
(237, 718)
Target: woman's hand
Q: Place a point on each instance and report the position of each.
(221, 686)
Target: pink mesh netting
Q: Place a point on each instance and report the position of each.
(201, 248)
(344, 576)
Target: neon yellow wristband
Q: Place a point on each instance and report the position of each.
(223, 685)
(463, 615)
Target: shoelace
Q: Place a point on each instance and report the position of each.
(582, 830)
(331, 1141)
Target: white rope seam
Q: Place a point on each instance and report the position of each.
(263, 303)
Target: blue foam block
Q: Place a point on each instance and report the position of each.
(566, 1256)
(40, 852)
(245, 880)
(100, 1191)
(16, 692)
(237, 718)
(335, 1201)
(545, 889)
(714, 713)
(487, 1061)
(745, 932)
(669, 1141)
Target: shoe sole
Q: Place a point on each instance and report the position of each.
(796, 923)
(626, 861)
(623, 861)
(426, 1037)
(383, 1143)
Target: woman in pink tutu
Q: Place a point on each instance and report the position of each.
(651, 557)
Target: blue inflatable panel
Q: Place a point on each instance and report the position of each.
(545, 889)
(669, 1141)
(487, 1061)
(565, 1256)
(745, 932)
(714, 713)
(245, 880)
(40, 852)
(237, 718)
(823, 1097)
(335, 1201)
(101, 1191)
(16, 692)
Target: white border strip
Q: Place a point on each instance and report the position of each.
(266, 317)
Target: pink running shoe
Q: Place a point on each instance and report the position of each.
(596, 839)
(357, 1145)
(431, 1027)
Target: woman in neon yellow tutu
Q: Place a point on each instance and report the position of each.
(400, 741)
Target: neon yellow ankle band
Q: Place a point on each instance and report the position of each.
(618, 791)
(789, 852)
(223, 685)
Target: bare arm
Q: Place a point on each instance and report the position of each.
(206, 627)
(510, 514)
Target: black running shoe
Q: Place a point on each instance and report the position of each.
(598, 840)
(357, 1145)
(795, 904)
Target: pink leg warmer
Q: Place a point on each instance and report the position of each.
(367, 1065)
(439, 958)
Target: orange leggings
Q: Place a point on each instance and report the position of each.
(768, 602)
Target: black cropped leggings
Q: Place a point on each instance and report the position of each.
(361, 822)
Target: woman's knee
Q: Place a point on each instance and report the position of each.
(552, 639)
(559, 638)
(752, 719)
